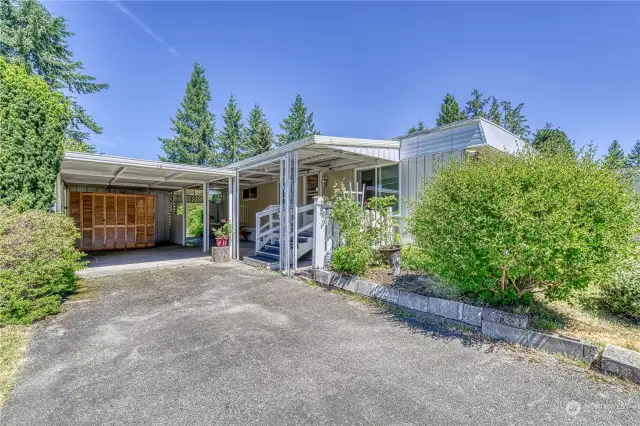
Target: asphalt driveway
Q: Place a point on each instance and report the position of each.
(234, 345)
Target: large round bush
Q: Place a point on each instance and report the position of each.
(38, 261)
(506, 226)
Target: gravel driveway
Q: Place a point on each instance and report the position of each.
(235, 345)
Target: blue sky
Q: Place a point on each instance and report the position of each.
(366, 70)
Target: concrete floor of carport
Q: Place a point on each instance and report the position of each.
(164, 256)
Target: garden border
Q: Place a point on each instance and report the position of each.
(490, 322)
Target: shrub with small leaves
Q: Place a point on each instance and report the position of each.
(354, 255)
(620, 295)
(38, 261)
(352, 258)
(504, 227)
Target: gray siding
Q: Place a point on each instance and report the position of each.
(413, 171)
(445, 140)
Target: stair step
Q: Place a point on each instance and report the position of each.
(261, 262)
(268, 254)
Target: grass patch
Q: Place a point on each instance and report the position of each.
(84, 291)
(575, 318)
(13, 341)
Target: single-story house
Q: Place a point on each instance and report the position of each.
(124, 203)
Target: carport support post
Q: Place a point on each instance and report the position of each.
(205, 217)
(184, 217)
(319, 230)
(230, 203)
(236, 217)
(59, 191)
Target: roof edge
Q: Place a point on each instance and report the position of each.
(135, 162)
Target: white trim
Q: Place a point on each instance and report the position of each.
(134, 162)
(324, 141)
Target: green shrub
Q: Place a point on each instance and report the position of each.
(194, 221)
(354, 255)
(620, 295)
(38, 261)
(414, 259)
(506, 226)
(352, 258)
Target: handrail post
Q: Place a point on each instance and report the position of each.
(319, 230)
(257, 234)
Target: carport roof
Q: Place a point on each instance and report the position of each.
(106, 170)
(318, 153)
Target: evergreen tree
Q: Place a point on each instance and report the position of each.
(475, 106)
(494, 113)
(232, 137)
(615, 158)
(194, 139)
(552, 141)
(449, 111)
(259, 134)
(417, 128)
(298, 125)
(514, 121)
(30, 35)
(32, 123)
(633, 159)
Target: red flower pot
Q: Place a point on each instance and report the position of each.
(221, 241)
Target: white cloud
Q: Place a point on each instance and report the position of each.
(145, 28)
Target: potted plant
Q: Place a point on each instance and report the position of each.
(383, 228)
(223, 233)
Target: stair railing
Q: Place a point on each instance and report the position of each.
(269, 229)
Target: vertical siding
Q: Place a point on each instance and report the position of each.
(413, 171)
(333, 178)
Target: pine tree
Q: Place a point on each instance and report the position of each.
(552, 141)
(232, 137)
(298, 125)
(475, 106)
(514, 121)
(417, 128)
(633, 159)
(494, 113)
(194, 139)
(449, 111)
(32, 123)
(615, 158)
(30, 35)
(259, 134)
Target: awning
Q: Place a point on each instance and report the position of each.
(105, 170)
(318, 154)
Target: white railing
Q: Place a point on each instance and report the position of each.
(270, 228)
(303, 210)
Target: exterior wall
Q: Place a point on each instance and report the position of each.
(162, 208)
(413, 171)
(333, 178)
(268, 195)
(455, 138)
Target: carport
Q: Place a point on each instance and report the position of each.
(123, 203)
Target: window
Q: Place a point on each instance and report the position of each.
(250, 193)
(380, 182)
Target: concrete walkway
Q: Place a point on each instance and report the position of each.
(105, 263)
(234, 345)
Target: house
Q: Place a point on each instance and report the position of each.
(123, 203)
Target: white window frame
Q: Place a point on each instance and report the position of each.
(377, 174)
